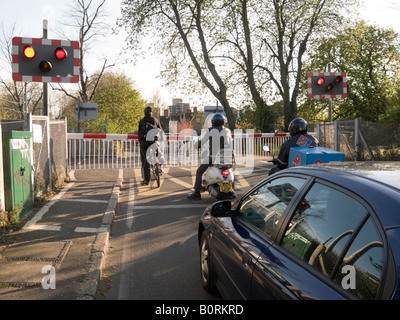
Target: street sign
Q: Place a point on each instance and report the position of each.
(86, 111)
(45, 60)
(327, 85)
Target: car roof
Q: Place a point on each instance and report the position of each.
(378, 183)
(384, 172)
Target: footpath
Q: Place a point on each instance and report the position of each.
(59, 252)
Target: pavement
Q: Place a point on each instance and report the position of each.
(60, 251)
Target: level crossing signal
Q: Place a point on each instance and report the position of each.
(327, 85)
(45, 60)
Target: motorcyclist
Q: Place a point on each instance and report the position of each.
(299, 137)
(217, 130)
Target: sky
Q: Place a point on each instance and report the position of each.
(29, 14)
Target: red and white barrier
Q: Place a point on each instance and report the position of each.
(124, 137)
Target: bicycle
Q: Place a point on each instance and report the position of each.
(156, 169)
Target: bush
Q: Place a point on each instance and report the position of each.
(9, 220)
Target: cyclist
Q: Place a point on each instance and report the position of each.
(145, 125)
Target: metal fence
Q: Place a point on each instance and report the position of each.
(102, 151)
(361, 141)
(49, 152)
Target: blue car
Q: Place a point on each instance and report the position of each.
(326, 232)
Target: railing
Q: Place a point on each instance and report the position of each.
(105, 151)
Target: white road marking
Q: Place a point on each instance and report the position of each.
(85, 200)
(131, 202)
(123, 289)
(39, 215)
(90, 230)
(180, 182)
(45, 227)
(241, 181)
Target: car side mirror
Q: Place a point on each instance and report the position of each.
(222, 209)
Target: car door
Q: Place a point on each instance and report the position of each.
(240, 240)
(236, 249)
(330, 233)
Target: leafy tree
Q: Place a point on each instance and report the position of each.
(371, 58)
(393, 111)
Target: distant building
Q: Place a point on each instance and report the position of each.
(213, 109)
(179, 112)
(217, 109)
(178, 107)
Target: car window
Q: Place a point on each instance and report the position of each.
(361, 269)
(264, 207)
(323, 223)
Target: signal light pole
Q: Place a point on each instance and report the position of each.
(44, 66)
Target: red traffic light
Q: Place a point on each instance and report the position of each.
(338, 80)
(61, 53)
(327, 85)
(321, 81)
(29, 52)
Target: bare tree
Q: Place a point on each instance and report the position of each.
(285, 36)
(180, 26)
(88, 19)
(157, 99)
(257, 45)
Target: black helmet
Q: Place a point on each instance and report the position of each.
(217, 120)
(148, 110)
(298, 125)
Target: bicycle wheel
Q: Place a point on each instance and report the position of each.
(157, 174)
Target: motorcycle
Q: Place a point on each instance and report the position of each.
(218, 180)
(274, 161)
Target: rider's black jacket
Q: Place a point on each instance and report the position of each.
(224, 141)
(142, 123)
(298, 140)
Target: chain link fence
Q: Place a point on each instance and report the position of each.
(361, 141)
(49, 152)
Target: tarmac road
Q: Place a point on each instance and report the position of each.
(153, 252)
(139, 241)
(58, 240)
